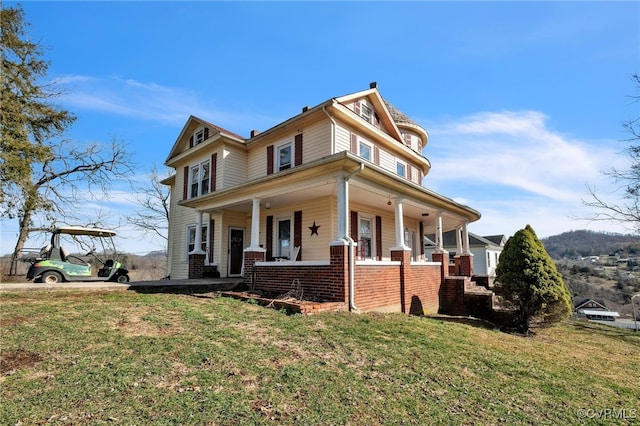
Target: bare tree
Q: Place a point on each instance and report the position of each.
(43, 175)
(626, 211)
(153, 198)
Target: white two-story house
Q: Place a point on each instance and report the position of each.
(332, 197)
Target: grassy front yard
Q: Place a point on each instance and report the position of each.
(134, 358)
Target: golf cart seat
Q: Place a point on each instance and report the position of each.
(105, 271)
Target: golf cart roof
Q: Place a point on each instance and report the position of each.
(79, 230)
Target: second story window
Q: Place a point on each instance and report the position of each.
(200, 179)
(401, 169)
(365, 151)
(284, 157)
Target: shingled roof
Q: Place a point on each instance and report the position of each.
(398, 116)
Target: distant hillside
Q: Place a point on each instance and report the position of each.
(589, 243)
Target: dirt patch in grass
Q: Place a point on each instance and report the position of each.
(18, 319)
(18, 359)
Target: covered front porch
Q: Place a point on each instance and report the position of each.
(361, 242)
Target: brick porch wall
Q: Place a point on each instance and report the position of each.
(377, 287)
(196, 266)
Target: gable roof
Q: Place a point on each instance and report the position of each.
(194, 122)
(580, 302)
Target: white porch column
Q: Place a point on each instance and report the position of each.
(343, 209)
(399, 219)
(458, 242)
(255, 226)
(439, 248)
(197, 246)
(465, 239)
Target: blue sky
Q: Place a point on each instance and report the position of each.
(523, 101)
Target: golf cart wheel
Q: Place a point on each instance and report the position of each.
(51, 277)
(123, 279)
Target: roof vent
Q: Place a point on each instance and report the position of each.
(255, 133)
(305, 108)
(373, 85)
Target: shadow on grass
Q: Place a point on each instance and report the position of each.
(184, 287)
(473, 322)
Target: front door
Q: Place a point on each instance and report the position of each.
(236, 251)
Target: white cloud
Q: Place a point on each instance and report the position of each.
(147, 101)
(515, 170)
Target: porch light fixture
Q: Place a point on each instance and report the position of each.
(389, 202)
(267, 206)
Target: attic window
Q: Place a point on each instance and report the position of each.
(366, 112)
(199, 137)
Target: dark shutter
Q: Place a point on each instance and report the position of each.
(379, 237)
(354, 143)
(212, 224)
(421, 238)
(206, 133)
(191, 142)
(297, 232)
(298, 150)
(376, 155)
(409, 172)
(356, 107)
(270, 159)
(354, 225)
(214, 171)
(269, 238)
(185, 184)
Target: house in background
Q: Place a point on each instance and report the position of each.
(593, 309)
(485, 250)
(331, 198)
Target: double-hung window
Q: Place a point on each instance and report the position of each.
(191, 238)
(365, 150)
(366, 112)
(284, 157)
(401, 169)
(200, 175)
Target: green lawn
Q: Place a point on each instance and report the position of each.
(133, 358)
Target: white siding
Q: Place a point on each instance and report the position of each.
(316, 141)
(232, 167)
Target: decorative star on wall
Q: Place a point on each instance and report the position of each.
(314, 228)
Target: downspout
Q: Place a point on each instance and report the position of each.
(333, 130)
(351, 253)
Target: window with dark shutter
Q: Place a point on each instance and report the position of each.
(421, 238)
(354, 225)
(379, 237)
(269, 238)
(185, 183)
(191, 142)
(206, 133)
(354, 143)
(270, 159)
(297, 232)
(212, 224)
(297, 151)
(214, 170)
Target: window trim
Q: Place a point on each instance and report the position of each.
(278, 247)
(205, 240)
(369, 145)
(277, 151)
(402, 164)
(372, 242)
(200, 179)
